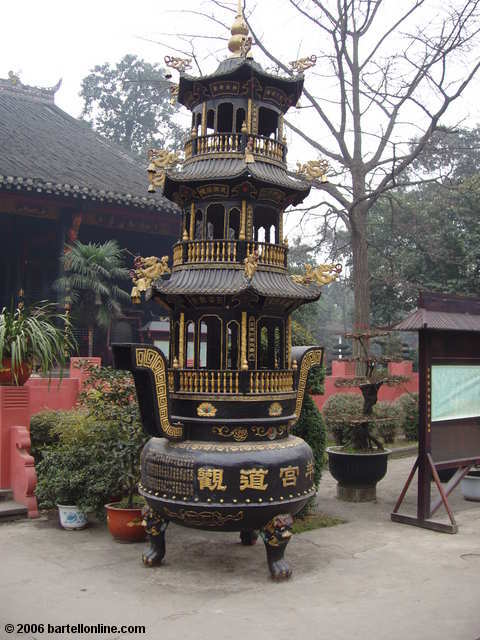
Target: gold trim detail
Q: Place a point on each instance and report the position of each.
(291, 441)
(313, 169)
(302, 64)
(179, 64)
(227, 397)
(150, 359)
(243, 357)
(288, 355)
(311, 359)
(206, 409)
(275, 409)
(203, 518)
(322, 274)
(243, 220)
(239, 434)
(181, 342)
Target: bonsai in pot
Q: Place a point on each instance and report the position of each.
(110, 399)
(360, 462)
(31, 337)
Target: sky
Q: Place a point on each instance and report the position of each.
(51, 39)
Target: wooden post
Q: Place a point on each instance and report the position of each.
(243, 221)
(181, 342)
(243, 359)
(204, 119)
(192, 221)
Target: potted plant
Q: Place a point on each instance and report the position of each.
(28, 337)
(110, 399)
(360, 462)
(62, 475)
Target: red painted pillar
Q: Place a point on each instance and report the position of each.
(14, 411)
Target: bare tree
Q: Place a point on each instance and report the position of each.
(393, 71)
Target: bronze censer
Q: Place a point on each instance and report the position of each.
(220, 405)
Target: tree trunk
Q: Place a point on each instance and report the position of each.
(361, 280)
(90, 341)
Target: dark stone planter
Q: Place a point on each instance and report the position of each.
(357, 474)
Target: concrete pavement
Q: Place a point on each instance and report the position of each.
(368, 578)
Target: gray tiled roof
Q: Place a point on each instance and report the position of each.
(44, 149)
(231, 168)
(233, 282)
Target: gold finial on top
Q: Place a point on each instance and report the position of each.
(240, 43)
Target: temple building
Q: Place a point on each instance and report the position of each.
(60, 181)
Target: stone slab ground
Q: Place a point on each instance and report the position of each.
(367, 579)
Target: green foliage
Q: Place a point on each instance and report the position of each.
(391, 417)
(408, 404)
(30, 336)
(42, 435)
(92, 454)
(110, 399)
(311, 427)
(81, 475)
(339, 411)
(91, 273)
(129, 103)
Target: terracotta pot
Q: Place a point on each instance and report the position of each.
(6, 373)
(125, 525)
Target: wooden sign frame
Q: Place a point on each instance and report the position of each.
(449, 334)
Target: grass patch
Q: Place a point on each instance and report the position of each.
(315, 521)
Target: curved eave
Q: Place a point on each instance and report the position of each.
(232, 282)
(52, 188)
(240, 69)
(226, 170)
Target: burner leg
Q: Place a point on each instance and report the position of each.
(276, 535)
(248, 538)
(156, 525)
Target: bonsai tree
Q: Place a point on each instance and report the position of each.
(372, 374)
(91, 276)
(34, 336)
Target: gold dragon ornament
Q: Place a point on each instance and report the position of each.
(301, 65)
(322, 274)
(251, 264)
(179, 64)
(313, 170)
(160, 161)
(145, 271)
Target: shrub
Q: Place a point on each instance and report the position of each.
(41, 432)
(408, 403)
(338, 411)
(85, 476)
(94, 451)
(311, 427)
(392, 417)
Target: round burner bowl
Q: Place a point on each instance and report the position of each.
(226, 486)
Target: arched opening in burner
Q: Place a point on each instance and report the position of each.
(210, 121)
(225, 117)
(190, 350)
(210, 346)
(240, 118)
(215, 222)
(267, 123)
(232, 356)
(233, 230)
(199, 224)
(266, 225)
(271, 340)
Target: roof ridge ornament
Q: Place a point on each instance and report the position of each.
(241, 42)
(14, 84)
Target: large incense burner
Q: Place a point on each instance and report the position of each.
(221, 404)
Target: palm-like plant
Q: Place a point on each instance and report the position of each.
(31, 336)
(91, 273)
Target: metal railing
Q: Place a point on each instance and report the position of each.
(215, 143)
(251, 382)
(211, 251)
